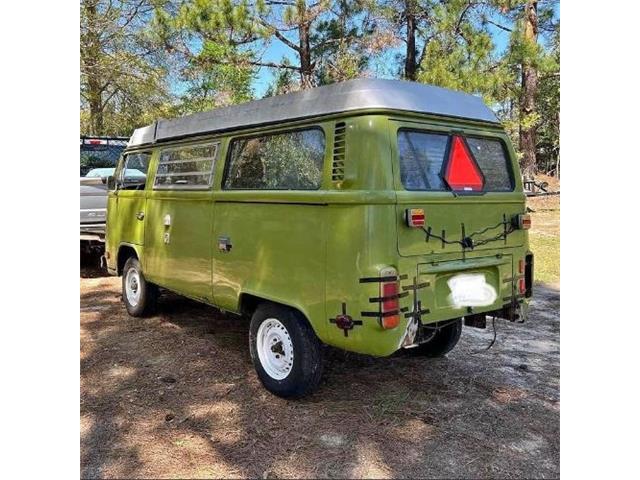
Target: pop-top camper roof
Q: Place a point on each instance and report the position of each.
(350, 96)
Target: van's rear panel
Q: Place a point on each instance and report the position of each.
(464, 254)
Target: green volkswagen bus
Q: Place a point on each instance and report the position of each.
(369, 215)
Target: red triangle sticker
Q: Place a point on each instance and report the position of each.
(462, 171)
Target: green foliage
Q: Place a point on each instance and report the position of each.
(460, 54)
(123, 77)
(208, 39)
(544, 56)
(548, 108)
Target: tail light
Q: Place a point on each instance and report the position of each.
(521, 266)
(522, 286)
(414, 217)
(390, 304)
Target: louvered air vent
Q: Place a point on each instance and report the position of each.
(337, 172)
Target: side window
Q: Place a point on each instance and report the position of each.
(133, 173)
(186, 168)
(283, 161)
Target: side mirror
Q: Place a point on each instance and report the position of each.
(111, 182)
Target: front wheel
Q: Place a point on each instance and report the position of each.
(139, 296)
(285, 351)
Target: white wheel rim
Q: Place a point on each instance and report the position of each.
(275, 349)
(132, 287)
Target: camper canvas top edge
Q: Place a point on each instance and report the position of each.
(350, 96)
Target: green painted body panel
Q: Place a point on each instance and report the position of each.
(310, 249)
(178, 255)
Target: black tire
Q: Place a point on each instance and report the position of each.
(148, 292)
(305, 369)
(442, 341)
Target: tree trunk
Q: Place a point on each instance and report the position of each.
(529, 90)
(306, 66)
(410, 67)
(90, 58)
(96, 117)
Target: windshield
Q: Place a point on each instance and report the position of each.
(439, 162)
(100, 157)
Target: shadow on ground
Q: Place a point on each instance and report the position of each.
(175, 395)
(90, 266)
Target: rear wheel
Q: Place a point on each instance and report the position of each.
(285, 351)
(441, 342)
(139, 296)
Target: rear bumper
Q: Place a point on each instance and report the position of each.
(92, 231)
(428, 284)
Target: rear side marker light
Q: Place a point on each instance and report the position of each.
(415, 217)
(523, 221)
(390, 306)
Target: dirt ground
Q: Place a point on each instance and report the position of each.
(176, 396)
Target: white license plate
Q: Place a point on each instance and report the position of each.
(471, 290)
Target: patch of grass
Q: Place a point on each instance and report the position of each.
(546, 252)
(544, 238)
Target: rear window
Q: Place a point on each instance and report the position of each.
(424, 157)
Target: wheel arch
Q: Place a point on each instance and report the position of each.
(126, 251)
(249, 302)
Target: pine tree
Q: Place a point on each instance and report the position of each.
(323, 42)
(460, 53)
(526, 59)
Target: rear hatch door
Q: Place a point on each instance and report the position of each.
(464, 182)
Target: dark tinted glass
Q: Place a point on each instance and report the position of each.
(421, 157)
(98, 156)
(285, 161)
(492, 160)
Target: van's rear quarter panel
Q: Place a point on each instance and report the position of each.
(361, 241)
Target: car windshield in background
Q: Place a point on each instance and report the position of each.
(98, 156)
(439, 163)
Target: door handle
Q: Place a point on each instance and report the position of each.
(140, 215)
